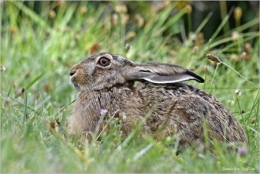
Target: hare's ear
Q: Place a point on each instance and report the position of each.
(161, 73)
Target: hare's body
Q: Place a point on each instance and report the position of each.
(170, 108)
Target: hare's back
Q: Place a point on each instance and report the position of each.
(184, 108)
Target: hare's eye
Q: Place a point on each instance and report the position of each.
(104, 61)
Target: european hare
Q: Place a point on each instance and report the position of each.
(169, 105)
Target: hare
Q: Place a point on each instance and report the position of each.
(165, 104)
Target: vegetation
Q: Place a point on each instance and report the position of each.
(39, 47)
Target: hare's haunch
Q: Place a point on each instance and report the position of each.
(106, 81)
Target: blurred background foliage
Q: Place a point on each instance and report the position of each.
(139, 12)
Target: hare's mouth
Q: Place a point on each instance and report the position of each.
(76, 87)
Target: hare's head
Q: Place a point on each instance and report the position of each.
(106, 70)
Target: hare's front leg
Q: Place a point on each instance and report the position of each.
(131, 122)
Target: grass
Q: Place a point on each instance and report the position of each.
(37, 51)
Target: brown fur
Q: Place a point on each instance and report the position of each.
(173, 107)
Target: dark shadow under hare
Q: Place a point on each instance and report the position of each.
(167, 105)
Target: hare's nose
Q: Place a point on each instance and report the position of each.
(72, 72)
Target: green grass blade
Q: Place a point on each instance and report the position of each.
(34, 80)
(35, 17)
